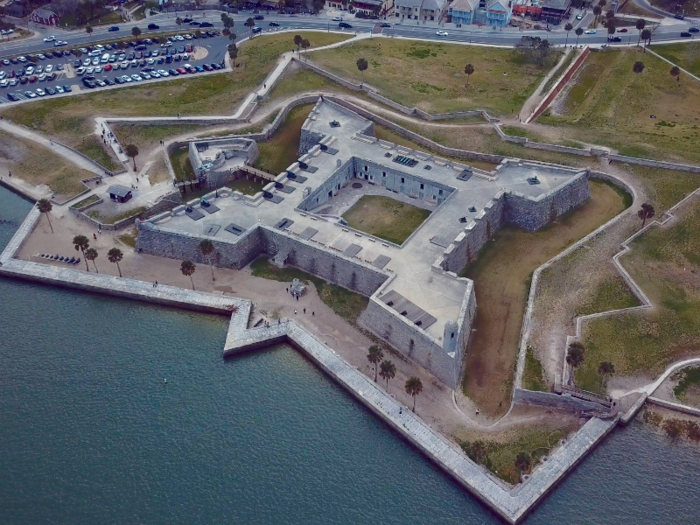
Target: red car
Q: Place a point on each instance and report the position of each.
(189, 48)
(32, 78)
(108, 67)
(182, 70)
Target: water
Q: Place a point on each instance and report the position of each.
(90, 434)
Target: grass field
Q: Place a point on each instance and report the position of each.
(502, 272)
(431, 76)
(69, 119)
(611, 105)
(283, 149)
(502, 449)
(666, 264)
(182, 166)
(36, 164)
(686, 56)
(146, 137)
(346, 304)
(664, 187)
(386, 218)
(245, 186)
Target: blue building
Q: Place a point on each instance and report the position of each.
(462, 11)
(487, 12)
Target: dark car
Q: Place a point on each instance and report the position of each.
(257, 30)
(13, 98)
(173, 73)
(51, 77)
(274, 24)
(384, 24)
(344, 25)
(693, 30)
(113, 28)
(616, 39)
(67, 89)
(50, 91)
(679, 17)
(77, 63)
(140, 48)
(168, 59)
(206, 24)
(153, 26)
(160, 60)
(23, 80)
(57, 54)
(186, 20)
(685, 34)
(194, 23)
(109, 81)
(14, 61)
(119, 80)
(207, 67)
(258, 17)
(177, 58)
(199, 69)
(623, 30)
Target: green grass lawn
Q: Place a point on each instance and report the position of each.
(283, 149)
(245, 186)
(611, 105)
(431, 76)
(386, 218)
(111, 219)
(666, 264)
(144, 137)
(686, 56)
(348, 305)
(85, 202)
(664, 187)
(181, 164)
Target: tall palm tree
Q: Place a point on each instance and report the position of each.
(187, 268)
(568, 27)
(611, 29)
(579, 32)
(596, 11)
(250, 23)
(676, 73)
(45, 206)
(468, 70)
(89, 30)
(413, 388)
(647, 212)
(646, 36)
(638, 66)
(207, 248)
(90, 255)
(606, 369)
(132, 151)
(375, 356)
(114, 256)
(387, 370)
(362, 66)
(574, 354)
(640, 25)
(82, 243)
(305, 44)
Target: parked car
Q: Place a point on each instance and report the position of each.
(623, 30)
(274, 24)
(686, 34)
(693, 30)
(113, 28)
(40, 92)
(206, 24)
(616, 39)
(257, 30)
(67, 89)
(590, 32)
(12, 98)
(579, 16)
(30, 94)
(50, 91)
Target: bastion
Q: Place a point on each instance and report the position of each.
(417, 302)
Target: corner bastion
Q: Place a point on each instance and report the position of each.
(417, 302)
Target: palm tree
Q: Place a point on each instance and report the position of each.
(89, 30)
(135, 31)
(297, 41)
(568, 27)
(596, 11)
(90, 255)
(413, 388)
(207, 248)
(606, 368)
(647, 212)
(676, 73)
(387, 370)
(638, 66)
(114, 256)
(640, 25)
(579, 32)
(574, 354)
(187, 268)
(233, 53)
(362, 66)
(610, 14)
(250, 23)
(611, 28)
(646, 36)
(522, 463)
(132, 151)
(82, 243)
(45, 206)
(375, 356)
(468, 70)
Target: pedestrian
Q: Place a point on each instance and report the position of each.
(287, 289)
(295, 312)
(9, 173)
(304, 311)
(156, 284)
(94, 235)
(278, 321)
(297, 297)
(313, 313)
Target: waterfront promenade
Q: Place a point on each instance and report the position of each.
(512, 504)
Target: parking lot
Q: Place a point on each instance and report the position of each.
(61, 70)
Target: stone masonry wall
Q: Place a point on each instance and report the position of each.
(332, 185)
(532, 214)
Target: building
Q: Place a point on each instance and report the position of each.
(498, 13)
(17, 9)
(462, 12)
(119, 193)
(421, 10)
(44, 16)
(554, 11)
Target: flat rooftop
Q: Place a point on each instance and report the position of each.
(439, 295)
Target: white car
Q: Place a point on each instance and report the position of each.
(163, 73)
(125, 65)
(40, 69)
(95, 61)
(441, 33)
(14, 82)
(188, 37)
(136, 78)
(29, 70)
(155, 74)
(3, 74)
(145, 76)
(22, 59)
(49, 68)
(90, 70)
(4, 83)
(41, 56)
(579, 16)
(59, 43)
(59, 89)
(87, 62)
(98, 69)
(80, 71)
(126, 78)
(337, 19)
(42, 77)
(40, 92)
(49, 38)
(180, 38)
(590, 32)
(151, 61)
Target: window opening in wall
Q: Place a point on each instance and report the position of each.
(383, 173)
(402, 180)
(422, 186)
(365, 168)
(440, 192)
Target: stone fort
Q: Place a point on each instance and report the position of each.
(417, 302)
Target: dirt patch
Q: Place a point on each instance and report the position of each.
(501, 274)
(200, 53)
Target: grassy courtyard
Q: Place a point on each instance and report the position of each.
(277, 154)
(645, 114)
(502, 272)
(246, 186)
(386, 218)
(431, 75)
(36, 164)
(666, 264)
(69, 119)
(348, 305)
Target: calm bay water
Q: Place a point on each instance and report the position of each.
(90, 434)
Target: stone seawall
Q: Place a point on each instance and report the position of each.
(564, 401)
